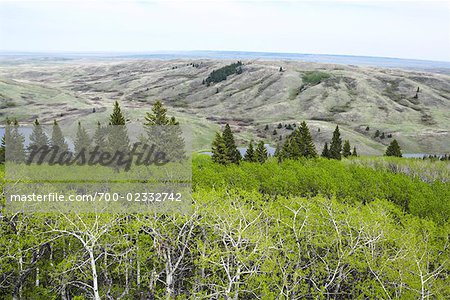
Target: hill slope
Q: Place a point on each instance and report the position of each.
(322, 94)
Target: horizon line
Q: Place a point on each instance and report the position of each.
(121, 53)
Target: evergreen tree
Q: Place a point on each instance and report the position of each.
(346, 150)
(231, 150)
(117, 140)
(250, 153)
(2, 150)
(3, 144)
(325, 151)
(394, 149)
(306, 144)
(261, 153)
(377, 133)
(165, 132)
(99, 138)
(267, 127)
(274, 132)
(116, 117)
(57, 139)
(354, 153)
(38, 138)
(82, 141)
(17, 142)
(219, 150)
(336, 145)
(158, 116)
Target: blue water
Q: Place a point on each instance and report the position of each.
(386, 62)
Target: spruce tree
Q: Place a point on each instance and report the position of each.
(99, 139)
(354, 153)
(116, 117)
(117, 140)
(2, 150)
(325, 151)
(306, 146)
(57, 139)
(17, 144)
(250, 153)
(165, 132)
(157, 116)
(377, 133)
(219, 150)
(394, 149)
(346, 150)
(231, 150)
(336, 145)
(38, 138)
(82, 141)
(3, 144)
(261, 152)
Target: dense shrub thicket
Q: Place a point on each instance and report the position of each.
(310, 177)
(251, 235)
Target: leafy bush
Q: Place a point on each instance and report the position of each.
(314, 77)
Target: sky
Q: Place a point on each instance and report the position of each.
(401, 29)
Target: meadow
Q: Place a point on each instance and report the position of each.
(305, 229)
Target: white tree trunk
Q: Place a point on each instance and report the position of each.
(94, 274)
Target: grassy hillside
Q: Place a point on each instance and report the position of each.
(324, 95)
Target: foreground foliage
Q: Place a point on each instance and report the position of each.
(315, 229)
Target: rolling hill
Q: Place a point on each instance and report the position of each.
(361, 100)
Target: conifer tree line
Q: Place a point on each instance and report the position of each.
(222, 73)
(170, 140)
(298, 144)
(336, 150)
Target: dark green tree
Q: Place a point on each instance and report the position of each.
(158, 116)
(99, 138)
(261, 153)
(336, 145)
(231, 150)
(17, 144)
(3, 144)
(82, 141)
(57, 139)
(274, 132)
(394, 149)
(326, 151)
(165, 132)
(117, 140)
(219, 150)
(116, 118)
(250, 153)
(346, 150)
(377, 133)
(306, 144)
(38, 137)
(354, 153)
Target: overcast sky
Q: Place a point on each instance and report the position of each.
(403, 29)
